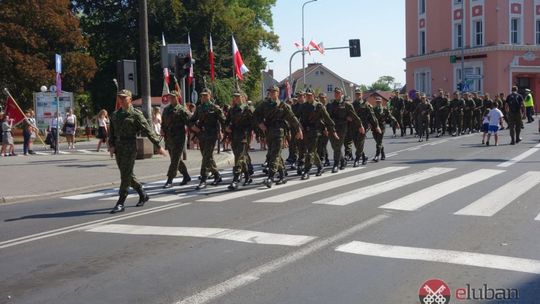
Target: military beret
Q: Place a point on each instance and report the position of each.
(337, 89)
(174, 93)
(358, 90)
(124, 93)
(273, 88)
(309, 91)
(322, 95)
(206, 91)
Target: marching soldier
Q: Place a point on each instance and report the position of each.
(477, 113)
(206, 123)
(468, 113)
(408, 115)
(239, 125)
(296, 153)
(313, 116)
(173, 127)
(126, 122)
(322, 150)
(397, 106)
(457, 105)
(365, 112)
(438, 102)
(383, 115)
(348, 142)
(515, 108)
(272, 117)
(341, 112)
(422, 113)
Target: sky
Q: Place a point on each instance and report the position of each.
(379, 24)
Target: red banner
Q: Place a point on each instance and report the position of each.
(13, 111)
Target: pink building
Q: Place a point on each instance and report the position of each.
(501, 45)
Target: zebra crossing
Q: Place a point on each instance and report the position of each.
(72, 152)
(435, 184)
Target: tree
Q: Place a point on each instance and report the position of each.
(30, 35)
(384, 83)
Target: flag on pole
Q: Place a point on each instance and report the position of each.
(166, 75)
(58, 84)
(239, 67)
(288, 93)
(176, 85)
(13, 111)
(316, 46)
(163, 43)
(190, 78)
(212, 68)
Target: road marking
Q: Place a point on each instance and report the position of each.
(442, 256)
(496, 200)
(259, 190)
(391, 154)
(423, 197)
(172, 197)
(86, 151)
(256, 273)
(85, 226)
(90, 195)
(520, 157)
(372, 190)
(244, 236)
(288, 196)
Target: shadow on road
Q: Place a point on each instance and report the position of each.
(528, 292)
(444, 160)
(61, 214)
(79, 166)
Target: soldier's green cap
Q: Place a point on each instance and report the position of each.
(301, 92)
(322, 95)
(174, 93)
(124, 93)
(206, 91)
(337, 89)
(273, 88)
(358, 90)
(309, 91)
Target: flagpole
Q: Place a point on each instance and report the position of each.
(25, 118)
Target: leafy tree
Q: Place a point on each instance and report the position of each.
(384, 83)
(30, 34)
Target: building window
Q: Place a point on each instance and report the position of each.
(538, 31)
(421, 7)
(422, 80)
(458, 35)
(478, 33)
(457, 2)
(422, 41)
(515, 30)
(329, 88)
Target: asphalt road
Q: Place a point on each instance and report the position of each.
(448, 209)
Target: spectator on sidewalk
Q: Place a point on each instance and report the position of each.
(529, 105)
(7, 137)
(70, 128)
(55, 123)
(29, 132)
(103, 128)
(495, 120)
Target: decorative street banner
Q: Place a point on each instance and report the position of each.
(45, 105)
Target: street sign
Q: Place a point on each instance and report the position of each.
(474, 76)
(170, 51)
(46, 104)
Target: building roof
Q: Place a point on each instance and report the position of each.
(385, 95)
(310, 69)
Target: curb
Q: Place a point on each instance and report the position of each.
(26, 198)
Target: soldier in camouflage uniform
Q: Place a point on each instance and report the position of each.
(313, 116)
(341, 113)
(173, 127)
(383, 115)
(298, 144)
(294, 143)
(364, 110)
(457, 105)
(397, 105)
(477, 113)
(239, 125)
(322, 150)
(272, 117)
(206, 123)
(422, 114)
(468, 113)
(126, 123)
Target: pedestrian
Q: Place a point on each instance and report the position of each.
(529, 105)
(515, 109)
(364, 110)
(55, 124)
(205, 122)
(495, 119)
(272, 116)
(485, 125)
(103, 128)
(175, 118)
(29, 132)
(70, 128)
(126, 123)
(7, 137)
(383, 115)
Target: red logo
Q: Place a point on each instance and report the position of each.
(434, 291)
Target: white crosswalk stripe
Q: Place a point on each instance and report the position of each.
(372, 190)
(499, 198)
(426, 196)
(288, 196)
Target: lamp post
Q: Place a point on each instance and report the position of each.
(262, 81)
(304, 43)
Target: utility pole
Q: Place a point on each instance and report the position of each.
(144, 58)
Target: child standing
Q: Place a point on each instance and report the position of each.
(485, 126)
(495, 120)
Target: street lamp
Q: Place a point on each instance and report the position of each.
(262, 81)
(304, 43)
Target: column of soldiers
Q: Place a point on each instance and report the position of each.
(309, 124)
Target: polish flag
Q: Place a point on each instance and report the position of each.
(319, 47)
(298, 45)
(166, 75)
(13, 111)
(212, 69)
(239, 67)
(163, 43)
(190, 78)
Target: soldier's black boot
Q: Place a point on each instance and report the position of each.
(185, 180)
(342, 164)
(320, 170)
(234, 183)
(217, 179)
(376, 158)
(326, 162)
(356, 161)
(364, 159)
(168, 184)
(119, 207)
(305, 176)
(247, 179)
(300, 169)
(383, 156)
(250, 170)
(202, 184)
(335, 168)
(143, 197)
(269, 180)
(281, 178)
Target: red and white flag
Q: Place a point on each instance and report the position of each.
(13, 111)
(212, 68)
(239, 67)
(190, 78)
(166, 75)
(319, 47)
(163, 43)
(288, 93)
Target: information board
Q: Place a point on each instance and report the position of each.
(45, 105)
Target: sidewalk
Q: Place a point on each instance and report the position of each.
(28, 177)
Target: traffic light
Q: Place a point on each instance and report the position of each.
(354, 48)
(460, 86)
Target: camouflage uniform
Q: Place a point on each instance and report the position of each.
(364, 110)
(456, 106)
(422, 114)
(383, 115)
(397, 106)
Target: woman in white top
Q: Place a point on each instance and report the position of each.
(70, 128)
(56, 123)
(103, 128)
(156, 120)
(7, 138)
